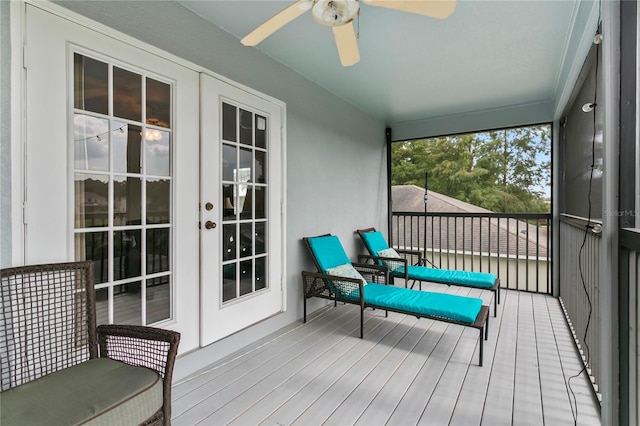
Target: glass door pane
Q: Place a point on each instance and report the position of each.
(123, 188)
(244, 183)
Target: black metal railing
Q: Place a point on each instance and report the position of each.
(515, 246)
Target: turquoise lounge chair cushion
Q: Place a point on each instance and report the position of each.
(328, 251)
(447, 276)
(375, 241)
(450, 306)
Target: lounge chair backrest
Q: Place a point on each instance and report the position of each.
(375, 242)
(327, 252)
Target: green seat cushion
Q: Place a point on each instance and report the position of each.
(443, 305)
(447, 276)
(99, 392)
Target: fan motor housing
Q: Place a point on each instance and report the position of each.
(333, 13)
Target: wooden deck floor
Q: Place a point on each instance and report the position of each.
(404, 372)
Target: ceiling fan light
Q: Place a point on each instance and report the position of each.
(332, 13)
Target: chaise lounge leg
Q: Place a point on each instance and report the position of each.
(361, 323)
(481, 344)
(495, 302)
(486, 329)
(304, 317)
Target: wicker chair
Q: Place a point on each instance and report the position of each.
(48, 325)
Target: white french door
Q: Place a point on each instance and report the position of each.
(241, 209)
(111, 143)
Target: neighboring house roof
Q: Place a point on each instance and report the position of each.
(486, 235)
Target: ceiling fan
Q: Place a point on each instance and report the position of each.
(339, 15)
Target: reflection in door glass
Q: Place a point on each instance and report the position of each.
(229, 122)
(127, 200)
(157, 150)
(158, 299)
(261, 131)
(260, 237)
(157, 251)
(246, 201)
(246, 164)
(229, 241)
(229, 290)
(91, 84)
(126, 254)
(127, 94)
(261, 167)
(228, 202)
(91, 142)
(246, 277)
(246, 127)
(158, 201)
(123, 189)
(94, 246)
(125, 139)
(127, 301)
(260, 202)
(91, 200)
(246, 239)
(261, 273)
(229, 162)
(158, 103)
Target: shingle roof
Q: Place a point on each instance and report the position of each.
(486, 235)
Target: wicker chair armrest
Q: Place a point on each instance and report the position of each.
(366, 258)
(410, 255)
(150, 347)
(319, 284)
(378, 274)
(142, 346)
(370, 259)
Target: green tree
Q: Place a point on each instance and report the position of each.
(502, 170)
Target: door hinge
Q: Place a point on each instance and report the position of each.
(24, 213)
(24, 56)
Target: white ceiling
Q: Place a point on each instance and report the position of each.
(488, 54)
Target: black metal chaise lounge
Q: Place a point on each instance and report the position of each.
(400, 266)
(366, 285)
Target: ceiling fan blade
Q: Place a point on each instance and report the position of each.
(275, 23)
(346, 43)
(440, 9)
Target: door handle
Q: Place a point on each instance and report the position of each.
(210, 225)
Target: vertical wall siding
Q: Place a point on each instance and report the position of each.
(633, 259)
(579, 283)
(629, 258)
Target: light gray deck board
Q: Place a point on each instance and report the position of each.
(306, 398)
(527, 399)
(384, 404)
(498, 407)
(405, 371)
(471, 399)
